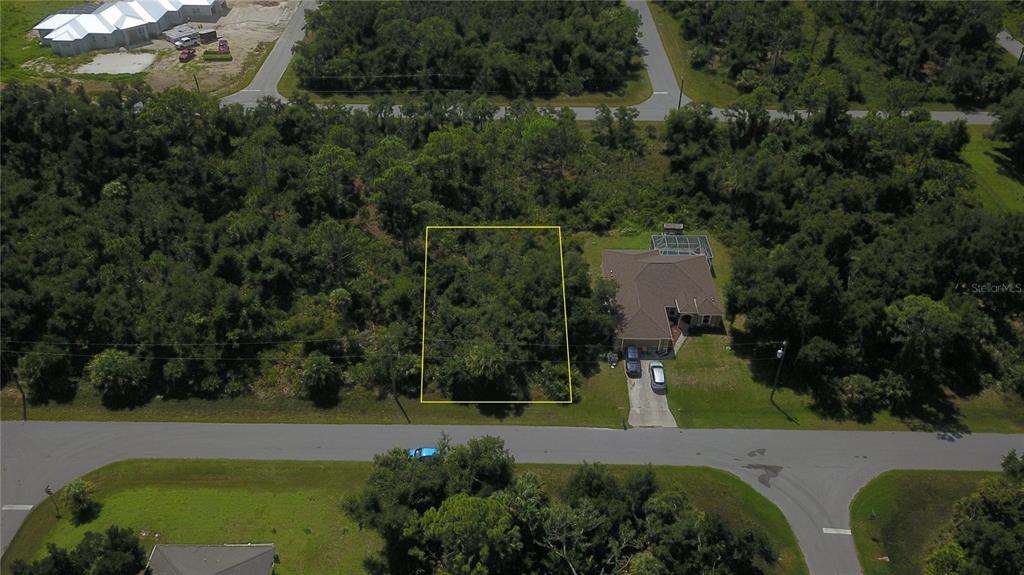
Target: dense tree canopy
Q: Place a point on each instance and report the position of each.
(986, 534)
(942, 51)
(495, 320)
(159, 244)
(855, 243)
(513, 48)
(466, 511)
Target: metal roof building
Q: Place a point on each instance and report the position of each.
(122, 23)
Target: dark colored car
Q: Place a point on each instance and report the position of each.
(632, 361)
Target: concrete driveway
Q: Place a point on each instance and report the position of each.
(647, 408)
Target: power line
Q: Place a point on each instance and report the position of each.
(361, 341)
(450, 75)
(173, 343)
(289, 358)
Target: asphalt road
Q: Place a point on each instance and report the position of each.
(811, 475)
(665, 86)
(1010, 44)
(264, 83)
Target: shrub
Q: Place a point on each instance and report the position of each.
(79, 502)
(43, 373)
(118, 376)
(700, 56)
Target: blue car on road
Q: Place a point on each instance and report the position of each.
(422, 452)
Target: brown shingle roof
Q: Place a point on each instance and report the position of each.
(650, 282)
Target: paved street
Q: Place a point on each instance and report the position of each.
(1010, 44)
(810, 475)
(265, 82)
(665, 85)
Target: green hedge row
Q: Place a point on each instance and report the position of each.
(217, 56)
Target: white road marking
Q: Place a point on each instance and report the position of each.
(250, 90)
(16, 508)
(657, 93)
(831, 531)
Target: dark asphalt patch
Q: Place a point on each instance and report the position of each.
(768, 472)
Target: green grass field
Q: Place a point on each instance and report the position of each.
(18, 43)
(296, 506)
(910, 508)
(999, 187)
(635, 91)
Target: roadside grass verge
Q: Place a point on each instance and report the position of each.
(910, 508)
(1000, 186)
(297, 506)
(253, 62)
(602, 403)
(708, 86)
(633, 92)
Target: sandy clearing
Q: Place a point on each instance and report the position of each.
(120, 63)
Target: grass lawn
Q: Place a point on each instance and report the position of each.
(910, 508)
(714, 88)
(713, 386)
(1013, 20)
(296, 506)
(635, 91)
(999, 188)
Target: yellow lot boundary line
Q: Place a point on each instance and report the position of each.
(565, 312)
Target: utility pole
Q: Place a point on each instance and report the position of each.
(780, 354)
(680, 103)
(194, 77)
(390, 365)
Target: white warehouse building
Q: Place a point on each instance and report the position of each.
(122, 23)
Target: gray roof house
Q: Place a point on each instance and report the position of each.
(247, 559)
(661, 296)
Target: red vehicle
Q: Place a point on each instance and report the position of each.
(222, 46)
(186, 55)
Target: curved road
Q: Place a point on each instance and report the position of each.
(811, 475)
(664, 99)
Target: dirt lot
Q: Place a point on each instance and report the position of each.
(126, 63)
(249, 27)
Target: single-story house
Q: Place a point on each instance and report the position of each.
(662, 296)
(122, 23)
(246, 559)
